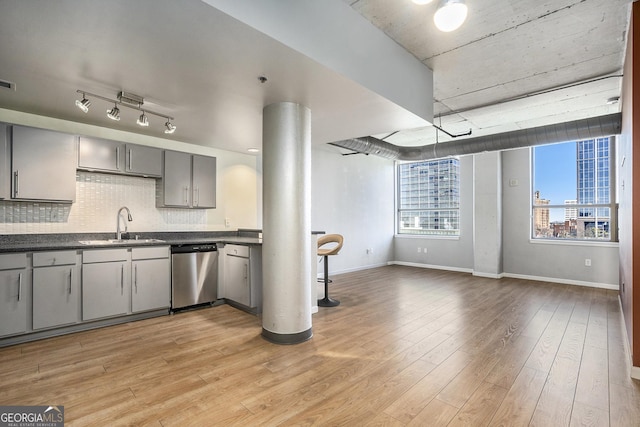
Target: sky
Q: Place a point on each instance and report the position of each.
(555, 175)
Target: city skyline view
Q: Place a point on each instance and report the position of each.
(555, 175)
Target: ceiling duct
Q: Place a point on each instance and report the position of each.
(594, 127)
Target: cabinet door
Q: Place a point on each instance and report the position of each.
(55, 296)
(44, 165)
(5, 164)
(14, 285)
(204, 182)
(176, 179)
(105, 289)
(141, 160)
(100, 154)
(151, 284)
(237, 280)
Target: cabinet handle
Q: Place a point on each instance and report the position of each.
(117, 158)
(70, 279)
(246, 271)
(19, 286)
(186, 194)
(122, 280)
(130, 159)
(15, 183)
(197, 203)
(135, 277)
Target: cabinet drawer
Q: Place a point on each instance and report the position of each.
(104, 255)
(13, 261)
(237, 250)
(150, 252)
(44, 259)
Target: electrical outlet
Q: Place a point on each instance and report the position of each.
(424, 250)
(587, 262)
(227, 222)
(419, 250)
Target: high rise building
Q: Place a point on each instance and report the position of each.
(570, 213)
(540, 216)
(592, 158)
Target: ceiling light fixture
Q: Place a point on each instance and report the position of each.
(129, 100)
(170, 128)
(450, 15)
(84, 104)
(114, 113)
(613, 100)
(143, 120)
(421, 2)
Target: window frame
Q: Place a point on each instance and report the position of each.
(427, 233)
(612, 205)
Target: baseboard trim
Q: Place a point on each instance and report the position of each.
(488, 275)
(563, 281)
(635, 372)
(430, 266)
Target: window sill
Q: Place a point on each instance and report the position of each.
(566, 242)
(425, 236)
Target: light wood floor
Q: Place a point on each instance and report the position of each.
(406, 347)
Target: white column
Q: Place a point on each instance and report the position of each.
(487, 215)
(286, 229)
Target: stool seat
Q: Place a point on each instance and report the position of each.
(325, 252)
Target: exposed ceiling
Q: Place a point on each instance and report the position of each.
(514, 64)
(190, 61)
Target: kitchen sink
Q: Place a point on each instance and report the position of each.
(119, 242)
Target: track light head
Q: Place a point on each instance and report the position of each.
(143, 120)
(114, 113)
(171, 128)
(84, 104)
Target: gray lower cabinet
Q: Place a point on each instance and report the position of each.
(151, 281)
(106, 283)
(15, 285)
(43, 165)
(56, 289)
(243, 275)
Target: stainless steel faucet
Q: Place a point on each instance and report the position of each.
(129, 218)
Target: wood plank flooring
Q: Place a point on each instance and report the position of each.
(406, 347)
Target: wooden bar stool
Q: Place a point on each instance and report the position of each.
(326, 252)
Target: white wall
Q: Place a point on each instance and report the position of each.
(353, 196)
(237, 195)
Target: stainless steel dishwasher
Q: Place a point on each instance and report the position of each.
(194, 275)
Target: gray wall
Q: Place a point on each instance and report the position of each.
(521, 256)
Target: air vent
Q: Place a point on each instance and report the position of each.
(7, 85)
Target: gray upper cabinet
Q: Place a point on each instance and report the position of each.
(188, 181)
(104, 155)
(141, 160)
(204, 182)
(43, 165)
(5, 164)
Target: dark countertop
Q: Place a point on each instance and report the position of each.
(71, 241)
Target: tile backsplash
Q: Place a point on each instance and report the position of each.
(98, 198)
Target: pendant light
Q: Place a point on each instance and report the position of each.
(450, 15)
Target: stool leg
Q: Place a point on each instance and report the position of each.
(326, 301)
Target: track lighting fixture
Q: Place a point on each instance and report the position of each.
(114, 113)
(84, 104)
(170, 127)
(125, 99)
(142, 120)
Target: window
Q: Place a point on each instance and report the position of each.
(429, 197)
(572, 190)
